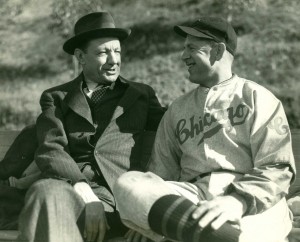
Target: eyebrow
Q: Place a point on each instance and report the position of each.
(101, 49)
(108, 47)
(189, 45)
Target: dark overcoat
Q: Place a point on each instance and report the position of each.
(65, 127)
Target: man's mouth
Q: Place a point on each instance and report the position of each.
(111, 71)
(190, 65)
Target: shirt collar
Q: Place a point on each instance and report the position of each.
(89, 88)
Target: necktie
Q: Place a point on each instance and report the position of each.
(98, 94)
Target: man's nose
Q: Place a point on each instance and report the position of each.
(185, 55)
(113, 58)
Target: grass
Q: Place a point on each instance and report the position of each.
(33, 60)
(19, 99)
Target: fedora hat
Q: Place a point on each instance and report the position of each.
(94, 25)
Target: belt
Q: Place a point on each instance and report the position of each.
(199, 177)
(209, 173)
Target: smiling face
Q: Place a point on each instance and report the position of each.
(101, 60)
(197, 55)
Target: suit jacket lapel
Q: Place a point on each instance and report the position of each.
(76, 100)
(129, 97)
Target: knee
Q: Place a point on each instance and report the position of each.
(133, 183)
(46, 189)
(130, 180)
(126, 181)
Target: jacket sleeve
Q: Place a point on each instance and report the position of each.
(52, 155)
(166, 154)
(155, 111)
(273, 161)
(20, 154)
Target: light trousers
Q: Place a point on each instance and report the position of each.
(52, 209)
(54, 212)
(136, 192)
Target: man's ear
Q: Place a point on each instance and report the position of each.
(79, 54)
(221, 48)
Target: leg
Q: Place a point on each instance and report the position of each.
(140, 191)
(53, 208)
(135, 193)
(146, 203)
(273, 225)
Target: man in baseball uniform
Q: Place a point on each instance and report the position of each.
(222, 161)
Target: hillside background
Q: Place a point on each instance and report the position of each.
(33, 31)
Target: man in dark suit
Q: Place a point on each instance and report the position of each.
(89, 133)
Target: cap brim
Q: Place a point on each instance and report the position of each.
(184, 31)
(71, 44)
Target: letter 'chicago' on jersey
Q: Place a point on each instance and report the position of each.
(194, 126)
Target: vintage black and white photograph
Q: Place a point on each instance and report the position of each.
(149, 121)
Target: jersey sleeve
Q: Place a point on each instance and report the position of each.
(273, 161)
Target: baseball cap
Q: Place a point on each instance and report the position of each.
(214, 28)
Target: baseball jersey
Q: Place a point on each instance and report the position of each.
(236, 127)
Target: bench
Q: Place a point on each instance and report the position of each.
(7, 137)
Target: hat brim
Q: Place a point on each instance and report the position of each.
(71, 44)
(184, 31)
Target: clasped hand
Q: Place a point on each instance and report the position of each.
(218, 211)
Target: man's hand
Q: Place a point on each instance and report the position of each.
(95, 222)
(95, 219)
(220, 210)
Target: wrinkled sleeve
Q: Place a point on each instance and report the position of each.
(165, 157)
(52, 155)
(273, 160)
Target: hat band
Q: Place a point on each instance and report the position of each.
(84, 29)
